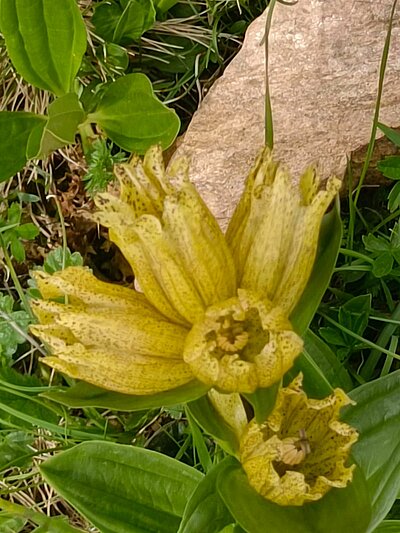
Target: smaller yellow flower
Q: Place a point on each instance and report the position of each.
(301, 451)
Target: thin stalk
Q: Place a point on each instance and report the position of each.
(383, 339)
(389, 360)
(371, 144)
(359, 338)
(14, 277)
(63, 230)
(269, 125)
(357, 255)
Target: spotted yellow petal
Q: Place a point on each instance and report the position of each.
(83, 288)
(200, 244)
(231, 409)
(122, 372)
(274, 232)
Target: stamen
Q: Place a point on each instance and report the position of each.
(238, 342)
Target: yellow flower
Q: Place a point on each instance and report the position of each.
(274, 231)
(301, 451)
(232, 338)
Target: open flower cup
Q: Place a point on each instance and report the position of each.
(212, 308)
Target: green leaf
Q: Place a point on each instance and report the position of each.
(21, 409)
(263, 401)
(17, 250)
(46, 40)
(162, 6)
(47, 524)
(376, 416)
(354, 315)
(332, 336)
(335, 512)
(27, 231)
(388, 526)
(133, 117)
(321, 368)
(334, 372)
(15, 450)
(65, 115)
(376, 245)
(56, 261)
(382, 266)
(390, 133)
(124, 22)
(206, 512)
(13, 325)
(85, 395)
(329, 243)
(212, 423)
(11, 524)
(15, 131)
(390, 167)
(122, 489)
(394, 198)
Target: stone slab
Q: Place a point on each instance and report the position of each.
(324, 68)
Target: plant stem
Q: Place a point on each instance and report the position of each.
(14, 277)
(371, 144)
(384, 337)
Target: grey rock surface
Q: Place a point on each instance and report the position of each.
(324, 67)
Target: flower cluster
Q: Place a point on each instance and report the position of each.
(211, 308)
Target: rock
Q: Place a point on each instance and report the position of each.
(324, 68)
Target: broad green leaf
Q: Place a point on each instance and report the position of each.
(329, 243)
(138, 16)
(390, 133)
(212, 423)
(16, 129)
(46, 40)
(388, 526)
(11, 524)
(338, 510)
(132, 116)
(124, 21)
(206, 512)
(390, 167)
(376, 416)
(123, 489)
(85, 395)
(162, 6)
(263, 401)
(65, 115)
